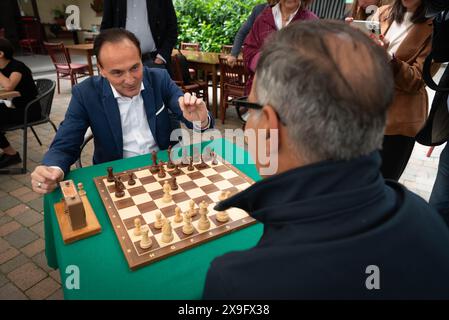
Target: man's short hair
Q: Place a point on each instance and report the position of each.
(7, 48)
(114, 35)
(331, 84)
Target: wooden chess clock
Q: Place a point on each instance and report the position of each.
(75, 215)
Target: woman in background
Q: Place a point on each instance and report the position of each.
(244, 30)
(14, 76)
(270, 20)
(358, 10)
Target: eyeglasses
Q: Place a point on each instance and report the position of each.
(243, 102)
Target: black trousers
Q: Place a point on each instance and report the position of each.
(10, 116)
(396, 151)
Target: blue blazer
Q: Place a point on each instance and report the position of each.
(93, 105)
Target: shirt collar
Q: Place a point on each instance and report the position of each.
(118, 95)
(277, 12)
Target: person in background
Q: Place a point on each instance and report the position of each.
(271, 20)
(406, 37)
(14, 76)
(244, 30)
(359, 8)
(331, 223)
(153, 22)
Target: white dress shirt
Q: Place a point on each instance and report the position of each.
(137, 136)
(276, 10)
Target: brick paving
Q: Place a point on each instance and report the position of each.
(24, 273)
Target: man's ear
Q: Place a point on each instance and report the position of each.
(271, 125)
(100, 70)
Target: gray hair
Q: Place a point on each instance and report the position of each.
(330, 84)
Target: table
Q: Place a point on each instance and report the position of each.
(86, 49)
(104, 272)
(209, 63)
(8, 94)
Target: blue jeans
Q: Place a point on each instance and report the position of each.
(439, 199)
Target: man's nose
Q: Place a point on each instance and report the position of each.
(129, 78)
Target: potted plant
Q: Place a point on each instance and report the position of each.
(59, 15)
(97, 6)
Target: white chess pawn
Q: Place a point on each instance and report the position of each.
(146, 242)
(187, 228)
(204, 222)
(167, 189)
(222, 216)
(178, 217)
(158, 222)
(167, 232)
(192, 211)
(222, 196)
(138, 225)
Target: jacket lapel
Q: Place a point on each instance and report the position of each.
(149, 104)
(113, 115)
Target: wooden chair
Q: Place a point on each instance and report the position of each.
(182, 78)
(233, 80)
(31, 36)
(190, 46)
(65, 69)
(226, 49)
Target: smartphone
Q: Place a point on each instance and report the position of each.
(369, 27)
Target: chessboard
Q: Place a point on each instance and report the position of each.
(142, 208)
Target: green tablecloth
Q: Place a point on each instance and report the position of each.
(104, 271)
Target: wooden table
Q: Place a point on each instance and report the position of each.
(86, 49)
(209, 63)
(8, 94)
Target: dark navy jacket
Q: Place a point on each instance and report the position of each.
(324, 225)
(93, 104)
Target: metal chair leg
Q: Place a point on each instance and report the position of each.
(37, 138)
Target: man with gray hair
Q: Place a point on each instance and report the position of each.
(333, 227)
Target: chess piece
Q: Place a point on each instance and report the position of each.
(154, 167)
(196, 154)
(146, 242)
(192, 211)
(222, 196)
(167, 189)
(167, 232)
(81, 190)
(138, 225)
(158, 223)
(173, 184)
(131, 180)
(222, 216)
(161, 173)
(170, 164)
(204, 222)
(187, 228)
(178, 217)
(191, 167)
(111, 177)
(119, 188)
(176, 171)
(202, 164)
(214, 158)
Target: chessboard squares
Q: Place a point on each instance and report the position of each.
(210, 188)
(215, 196)
(181, 234)
(162, 244)
(199, 166)
(146, 180)
(161, 204)
(229, 174)
(184, 205)
(236, 180)
(179, 197)
(142, 198)
(221, 169)
(169, 211)
(134, 191)
(127, 213)
(124, 203)
(195, 175)
(224, 184)
(208, 172)
(215, 178)
(196, 222)
(129, 222)
(143, 174)
(151, 187)
(146, 207)
(189, 185)
(182, 178)
(195, 193)
(244, 186)
(202, 182)
(157, 194)
(213, 218)
(205, 198)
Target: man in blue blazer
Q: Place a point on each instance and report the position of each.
(126, 109)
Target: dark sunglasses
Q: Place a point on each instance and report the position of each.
(243, 102)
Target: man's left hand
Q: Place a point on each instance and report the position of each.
(194, 109)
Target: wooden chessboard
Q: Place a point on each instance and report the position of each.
(144, 199)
